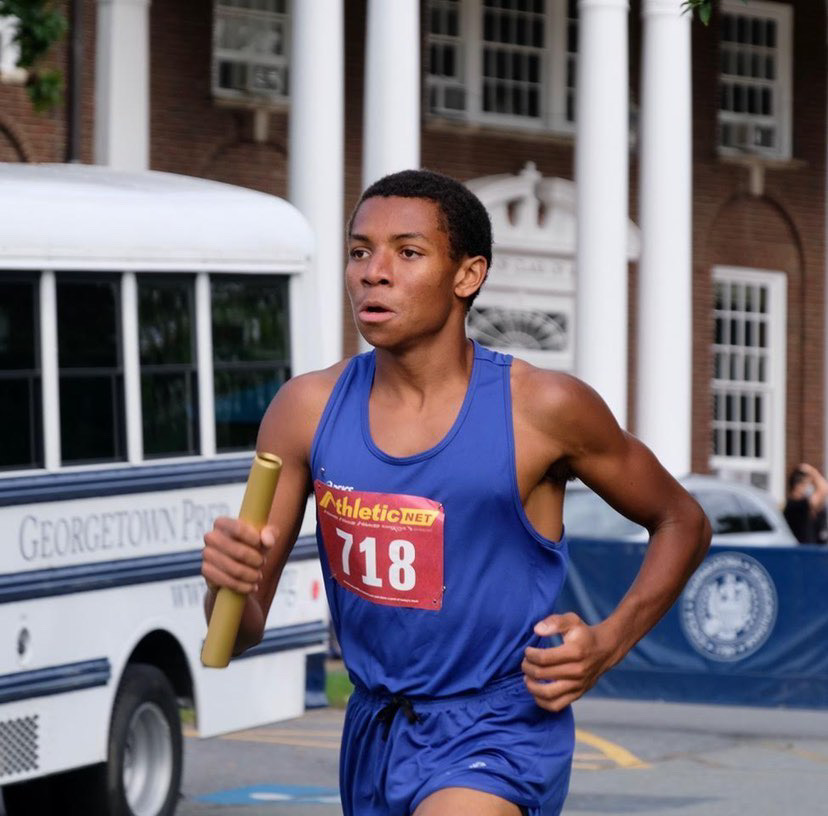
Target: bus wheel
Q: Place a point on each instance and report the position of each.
(143, 772)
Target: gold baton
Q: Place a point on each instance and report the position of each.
(227, 611)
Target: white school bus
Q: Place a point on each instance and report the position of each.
(146, 320)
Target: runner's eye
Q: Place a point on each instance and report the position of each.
(411, 254)
(358, 254)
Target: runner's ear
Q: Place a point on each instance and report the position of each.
(470, 276)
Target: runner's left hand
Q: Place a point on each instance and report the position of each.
(559, 675)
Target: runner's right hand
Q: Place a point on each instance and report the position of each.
(234, 554)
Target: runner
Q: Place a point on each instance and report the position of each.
(439, 469)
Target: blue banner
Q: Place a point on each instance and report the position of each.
(750, 628)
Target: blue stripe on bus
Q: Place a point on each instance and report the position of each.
(47, 487)
(85, 674)
(47, 583)
(288, 637)
(54, 680)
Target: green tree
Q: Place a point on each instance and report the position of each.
(704, 8)
(39, 26)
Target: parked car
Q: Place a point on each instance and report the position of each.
(741, 515)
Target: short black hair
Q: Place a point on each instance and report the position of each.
(463, 217)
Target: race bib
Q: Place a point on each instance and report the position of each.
(385, 547)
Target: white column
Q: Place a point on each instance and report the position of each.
(316, 168)
(50, 371)
(204, 362)
(132, 368)
(122, 84)
(664, 349)
(601, 174)
(391, 119)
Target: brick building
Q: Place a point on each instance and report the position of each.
(700, 282)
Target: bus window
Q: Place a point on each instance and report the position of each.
(20, 397)
(169, 380)
(91, 369)
(251, 353)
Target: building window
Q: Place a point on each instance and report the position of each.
(755, 96)
(446, 58)
(90, 369)
(749, 376)
(251, 41)
(169, 380)
(503, 62)
(251, 353)
(20, 377)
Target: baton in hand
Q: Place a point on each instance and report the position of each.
(227, 611)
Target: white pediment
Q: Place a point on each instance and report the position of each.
(533, 215)
(527, 306)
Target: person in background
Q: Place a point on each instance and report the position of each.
(805, 508)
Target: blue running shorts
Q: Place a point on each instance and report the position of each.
(397, 751)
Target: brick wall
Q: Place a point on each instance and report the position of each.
(782, 229)
(192, 133)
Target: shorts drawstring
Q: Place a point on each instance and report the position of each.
(387, 713)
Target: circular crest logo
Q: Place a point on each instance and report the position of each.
(728, 608)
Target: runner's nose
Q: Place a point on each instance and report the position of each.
(377, 271)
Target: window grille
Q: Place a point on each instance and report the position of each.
(447, 94)
(513, 57)
(754, 79)
(503, 62)
(747, 392)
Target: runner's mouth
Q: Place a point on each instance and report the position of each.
(374, 313)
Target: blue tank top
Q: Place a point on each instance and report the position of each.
(419, 610)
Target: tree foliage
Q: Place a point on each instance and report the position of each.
(704, 8)
(39, 26)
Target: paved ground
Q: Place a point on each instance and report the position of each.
(650, 759)
(706, 761)
(632, 758)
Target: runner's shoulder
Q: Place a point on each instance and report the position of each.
(298, 405)
(550, 398)
(313, 387)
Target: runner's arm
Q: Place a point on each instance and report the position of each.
(628, 476)
(238, 557)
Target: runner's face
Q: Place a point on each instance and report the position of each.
(400, 275)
